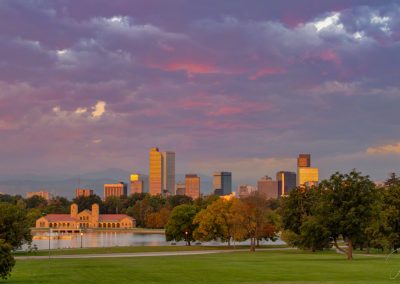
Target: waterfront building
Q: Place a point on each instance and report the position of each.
(222, 183)
(245, 190)
(180, 188)
(192, 186)
(44, 194)
(136, 184)
(83, 192)
(115, 189)
(267, 188)
(306, 176)
(286, 182)
(86, 219)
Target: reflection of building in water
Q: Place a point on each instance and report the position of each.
(85, 219)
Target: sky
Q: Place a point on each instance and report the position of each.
(241, 86)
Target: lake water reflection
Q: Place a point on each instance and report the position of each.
(112, 239)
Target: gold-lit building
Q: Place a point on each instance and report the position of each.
(307, 176)
(192, 186)
(304, 160)
(162, 172)
(155, 172)
(136, 185)
(83, 192)
(115, 189)
(44, 194)
(86, 219)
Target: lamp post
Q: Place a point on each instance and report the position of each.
(186, 237)
(81, 238)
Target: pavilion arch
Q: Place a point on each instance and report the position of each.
(113, 225)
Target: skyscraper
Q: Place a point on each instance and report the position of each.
(192, 186)
(137, 183)
(222, 183)
(162, 172)
(267, 187)
(306, 176)
(168, 173)
(286, 182)
(155, 172)
(304, 160)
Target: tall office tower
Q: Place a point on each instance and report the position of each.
(116, 189)
(245, 190)
(267, 188)
(136, 184)
(83, 192)
(156, 172)
(286, 182)
(192, 186)
(168, 171)
(222, 183)
(306, 176)
(304, 160)
(180, 188)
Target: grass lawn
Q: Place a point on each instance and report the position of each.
(133, 249)
(238, 267)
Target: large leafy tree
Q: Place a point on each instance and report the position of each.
(215, 222)
(180, 225)
(7, 261)
(302, 222)
(252, 220)
(351, 202)
(391, 212)
(14, 225)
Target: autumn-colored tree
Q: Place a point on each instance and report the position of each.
(215, 222)
(251, 217)
(158, 220)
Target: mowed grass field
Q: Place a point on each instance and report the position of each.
(238, 267)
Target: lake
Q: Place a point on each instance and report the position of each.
(112, 239)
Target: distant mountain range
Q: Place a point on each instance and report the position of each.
(66, 185)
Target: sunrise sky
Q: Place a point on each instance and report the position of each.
(231, 85)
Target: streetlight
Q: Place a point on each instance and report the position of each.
(49, 239)
(81, 238)
(186, 236)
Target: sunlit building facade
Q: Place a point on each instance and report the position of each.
(180, 188)
(307, 176)
(115, 189)
(83, 192)
(192, 186)
(244, 190)
(304, 160)
(155, 172)
(86, 219)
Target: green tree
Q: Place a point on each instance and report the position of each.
(351, 202)
(180, 224)
(14, 225)
(302, 222)
(7, 261)
(36, 202)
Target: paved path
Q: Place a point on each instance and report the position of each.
(142, 254)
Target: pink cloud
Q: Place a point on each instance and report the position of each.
(266, 71)
(190, 67)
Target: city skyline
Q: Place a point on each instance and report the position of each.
(242, 87)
